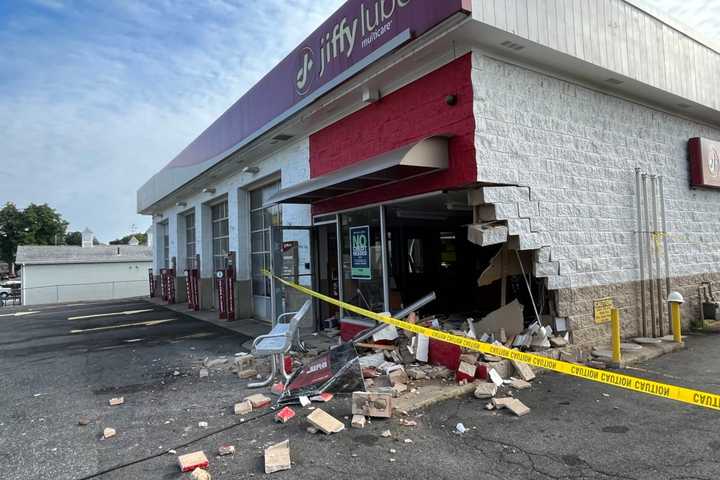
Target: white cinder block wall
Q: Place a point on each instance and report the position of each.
(292, 166)
(576, 150)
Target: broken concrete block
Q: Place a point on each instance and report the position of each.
(225, 450)
(304, 401)
(117, 401)
(284, 415)
(247, 374)
(523, 370)
(558, 342)
(258, 401)
(200, 474)
(500, 403)
(245, 362)
(485, 390)
(215, 362)
(416, 374)
(466, 371)
(109, 432)
(322, 420)
(370, 404)
(471, 358)
(399, 388)
(510, 317)
(358, 421)
(519, 384)
(422, 348)
(495, 377)
(517, 407)
(398, 376)
(204, 373)
(277, 457)
(191, 461)
(386, 434)
(243, 408)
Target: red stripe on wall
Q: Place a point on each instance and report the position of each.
(414, 112)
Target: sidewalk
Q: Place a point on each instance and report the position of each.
(249, 327)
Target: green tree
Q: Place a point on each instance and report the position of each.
(36, 225)
(141, 237)
(73, 238)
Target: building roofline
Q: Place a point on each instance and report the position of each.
(675, 24)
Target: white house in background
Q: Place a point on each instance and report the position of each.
(54, 274)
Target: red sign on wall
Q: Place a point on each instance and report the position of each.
(704, 163)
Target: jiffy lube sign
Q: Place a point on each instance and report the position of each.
(359, 33)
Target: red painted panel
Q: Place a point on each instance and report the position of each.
(414, 112)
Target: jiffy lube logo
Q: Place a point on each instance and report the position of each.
(372, 22)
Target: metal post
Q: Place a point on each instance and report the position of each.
(527, 284)
(675, 299)
(341, 279)
(665, 242)
(385, 273)
(615, 332)
(641, 257)
(656, 244)
(648, 240)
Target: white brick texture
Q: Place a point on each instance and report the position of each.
(575, 150)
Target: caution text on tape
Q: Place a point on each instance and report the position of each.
(641, 385)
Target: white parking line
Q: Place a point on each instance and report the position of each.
(126, 312)
(149, 323)
(17, 314)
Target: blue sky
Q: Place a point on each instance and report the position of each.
(96, 96)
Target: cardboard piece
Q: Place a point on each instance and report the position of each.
(510, 318)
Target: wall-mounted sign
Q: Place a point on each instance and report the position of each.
(360, 253)
(704, 163)
(603, 309)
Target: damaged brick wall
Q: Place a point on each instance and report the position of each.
(575, 150)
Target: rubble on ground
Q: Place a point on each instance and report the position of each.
(191, 461)
(277, 457)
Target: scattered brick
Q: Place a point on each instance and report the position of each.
(117, 401)
(372, 404)
(200, 474)
(523, 370)
(277, 457)
(225, 450)
(284, 415)
(191, 461)
(325, 422)
(243, 408)
(485, 390)
(359, 421)
(109, 432)
(258, 400)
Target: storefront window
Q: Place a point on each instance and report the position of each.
(165, 235)
(220, 234)
(362, 259)
(261, 221)
(190, 249)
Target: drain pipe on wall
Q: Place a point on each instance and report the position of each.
(665, 244)
(648, 240)
(643, 329)
(656, 242)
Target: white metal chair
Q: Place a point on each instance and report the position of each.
(278, 342)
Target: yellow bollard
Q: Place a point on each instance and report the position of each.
(675, 300)
(615, 332)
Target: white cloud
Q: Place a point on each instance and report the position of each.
(700, 15)
(98, 96)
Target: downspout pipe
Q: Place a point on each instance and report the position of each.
(648, 240)
(668, 288)
(656, 244)
(641, 254)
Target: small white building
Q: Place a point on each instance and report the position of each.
(56, 274)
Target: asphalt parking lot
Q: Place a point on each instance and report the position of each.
(66, 362)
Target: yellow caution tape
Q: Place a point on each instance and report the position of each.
(671, 392)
